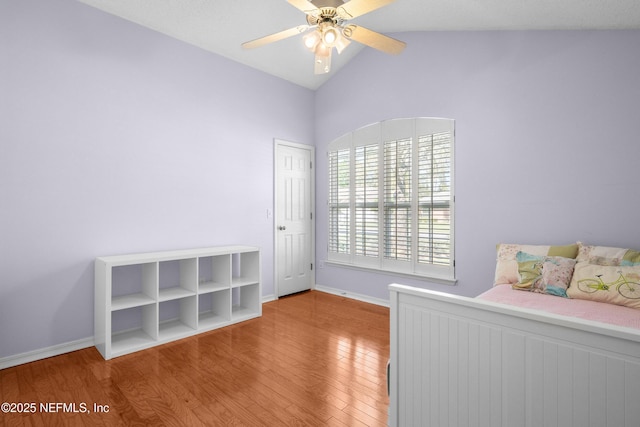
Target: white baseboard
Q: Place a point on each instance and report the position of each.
(352, 295)
(43, 353)
(268, 298)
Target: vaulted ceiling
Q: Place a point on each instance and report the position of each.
(221, 26)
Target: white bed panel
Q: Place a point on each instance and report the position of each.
(461, 362)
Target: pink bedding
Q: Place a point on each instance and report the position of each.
(590, 310)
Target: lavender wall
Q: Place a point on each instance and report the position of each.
(547, 144)
(117, 139)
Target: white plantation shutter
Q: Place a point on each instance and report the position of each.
(391, 197)
(339, 202)
(397, 199)
(366, 168)
(434, 195)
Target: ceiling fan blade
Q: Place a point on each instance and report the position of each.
(375, 40)
(304, 5)
(355, 8)
(275, 37)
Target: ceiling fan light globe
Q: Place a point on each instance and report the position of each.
(323, 50)
(330, 36)
(311, 40)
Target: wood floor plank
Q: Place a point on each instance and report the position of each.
(312, 359)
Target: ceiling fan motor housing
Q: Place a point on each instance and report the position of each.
(326, 15)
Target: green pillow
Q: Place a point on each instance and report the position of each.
(568, 251)
(631, 257)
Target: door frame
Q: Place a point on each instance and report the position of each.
(277, 143)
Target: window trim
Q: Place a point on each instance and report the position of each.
(432, 277)
(380, 134)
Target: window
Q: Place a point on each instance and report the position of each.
(391, 197)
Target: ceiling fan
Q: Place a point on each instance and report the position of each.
(329, 22)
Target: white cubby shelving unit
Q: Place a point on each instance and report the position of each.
(143, 300)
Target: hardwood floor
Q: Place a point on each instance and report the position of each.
(312, 359)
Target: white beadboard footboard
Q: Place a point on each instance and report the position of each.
(458, 361)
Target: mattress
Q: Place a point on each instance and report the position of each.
(584, 309)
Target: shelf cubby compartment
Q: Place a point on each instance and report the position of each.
(214, 309)
(133, 328)
(245, 302)
(177, 318)
(214, 273)
(245, 268)
(133, 285)
(177, 279)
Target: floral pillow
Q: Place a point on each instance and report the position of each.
(544, 274)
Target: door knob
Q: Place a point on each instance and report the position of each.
(282, 228)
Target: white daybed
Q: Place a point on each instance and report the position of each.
(458, 361)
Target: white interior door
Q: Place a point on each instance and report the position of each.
(294, 217)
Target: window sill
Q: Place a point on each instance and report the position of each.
(432, 279)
